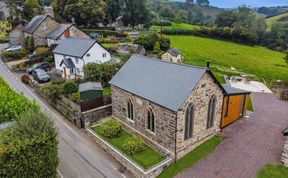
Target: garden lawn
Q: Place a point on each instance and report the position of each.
(250, 104)
(258, 61)
(192, 157)
(146, 158)
(273, 171)
(175, 26)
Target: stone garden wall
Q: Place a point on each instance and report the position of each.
(284, 158)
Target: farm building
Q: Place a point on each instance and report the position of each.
(131, 49)
(172, 55)
(234, 105)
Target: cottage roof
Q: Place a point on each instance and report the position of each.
(234, 91)
(88, 86)
(57, 32)
(68, 63)
(75, 47)
(164, 83)
(174, 52)
(134, 48)
(34, 23)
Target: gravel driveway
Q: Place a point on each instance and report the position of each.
(250, 143)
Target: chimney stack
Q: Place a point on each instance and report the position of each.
(208, 64)
(48, 10)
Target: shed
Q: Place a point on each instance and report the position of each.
(172, 55)
(90, 91)
(235, 104)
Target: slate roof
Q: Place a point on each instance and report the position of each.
(75, 47)
(90, 86)
(55, 34)
(174, 52)
(34, 23)
(68, 63)
(134, 48)
(164, 83)
(234, 91)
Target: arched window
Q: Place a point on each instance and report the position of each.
(150, 120)
(130, 111)
(211, 111)
(189, 119)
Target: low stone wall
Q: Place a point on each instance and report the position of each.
(284, 158)
(94, 115)
(130, 165)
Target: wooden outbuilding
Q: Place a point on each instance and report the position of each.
(235, 104)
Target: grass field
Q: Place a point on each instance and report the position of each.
(257, 61)
(271, 20)
(273, 171)
(175, 26)
(192, 157)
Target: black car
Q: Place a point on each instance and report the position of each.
(42, 65)
(40, 75)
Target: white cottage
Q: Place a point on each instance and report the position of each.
(73, 53)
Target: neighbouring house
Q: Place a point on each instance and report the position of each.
(73, 53)
(125, 48)
(234, 104)
(39, 28)
(16, 35)
(172, 55)
(91, 95)
(176, 106)
(118, 24)
(64, 31)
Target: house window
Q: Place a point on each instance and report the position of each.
(211, 111)
(189, 119)
(150, 120)
(104, 55)
(71, 71)
(227, 105)
(130, 112)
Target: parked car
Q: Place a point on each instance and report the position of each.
(14, 48)
(40, 75)
(42, 65)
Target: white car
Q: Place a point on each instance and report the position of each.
(14, 48)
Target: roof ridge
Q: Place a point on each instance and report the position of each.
(159, 60)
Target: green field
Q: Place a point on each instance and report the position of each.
(174, 26)
(258, 61)
(271, 20)
(275, 171)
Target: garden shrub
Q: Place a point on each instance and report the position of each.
(29, 148)
(41, 51)
(110, 128)
(25, 79)
(70, 87)
(53, 92)
(134, 145)
(14, 55)
(49, 59)
(58, 81)
(75, 97)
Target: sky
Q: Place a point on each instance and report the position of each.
(252, 3)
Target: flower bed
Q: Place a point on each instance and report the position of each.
(145, 159)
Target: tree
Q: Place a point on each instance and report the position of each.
(167, 12)
(70, 87)
(203, 2)
(135, 12)
(112, 10)
(31, 7)
(15, 13)
(157, 49)
(226, 19)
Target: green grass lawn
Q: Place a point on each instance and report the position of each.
(192, 158)
(175, 26)
(250, 104)
(260, 62)
(273, 171)
(274, 19)
(107, 91)
(146, 158)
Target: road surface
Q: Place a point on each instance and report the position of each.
(79, 155)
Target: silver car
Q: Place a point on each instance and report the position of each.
(40, 76)
(14, 48)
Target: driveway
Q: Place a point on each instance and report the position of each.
(250, 143)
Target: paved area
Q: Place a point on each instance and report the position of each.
(250, 143)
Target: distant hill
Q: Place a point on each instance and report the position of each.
(272, 11)
(278, 18)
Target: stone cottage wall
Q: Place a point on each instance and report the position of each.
(40, 34)
(200, 97)
(165, 119)
(284, 158)
(16, 36)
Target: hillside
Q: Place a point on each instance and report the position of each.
(277, 18)
(259, 62)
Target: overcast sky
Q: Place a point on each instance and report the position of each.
(252, 3)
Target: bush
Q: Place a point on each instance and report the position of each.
(110, 128)
(70, 87)
(53, 92)
(25, 79)
(14, 55)
(165, 44)
(75, 97)
(147, 41)
(29, 148)
(40, 51)
(49, 59)
(58, 81)
(134, 145)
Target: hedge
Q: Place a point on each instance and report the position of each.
(30, 148)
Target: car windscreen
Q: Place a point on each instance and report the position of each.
(41, 73)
